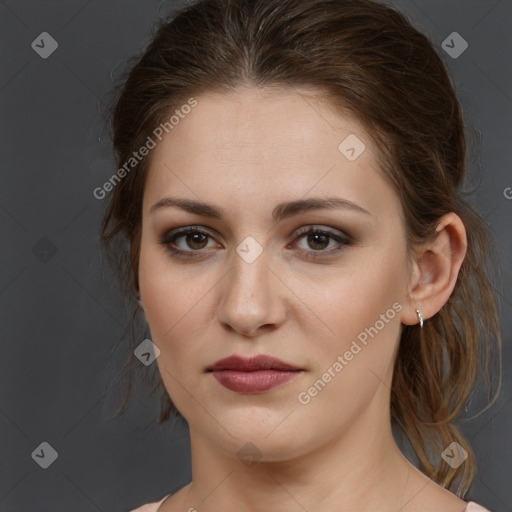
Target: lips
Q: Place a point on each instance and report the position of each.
(253, 375)
(259, 362)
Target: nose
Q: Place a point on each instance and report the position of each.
(252, 297)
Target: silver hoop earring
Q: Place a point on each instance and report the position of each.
(420, 316)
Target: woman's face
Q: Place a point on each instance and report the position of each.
(250, 284)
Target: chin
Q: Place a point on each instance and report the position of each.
(266, 438)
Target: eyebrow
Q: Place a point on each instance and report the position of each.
(280, 212)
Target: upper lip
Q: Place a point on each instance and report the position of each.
(258, 362)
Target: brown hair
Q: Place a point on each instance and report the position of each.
(367, 58)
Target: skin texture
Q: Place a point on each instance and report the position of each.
(245, 152)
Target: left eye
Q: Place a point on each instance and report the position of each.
(318, 239)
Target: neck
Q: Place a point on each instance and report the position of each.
(361, 470)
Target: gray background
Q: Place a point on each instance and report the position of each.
(61, 320)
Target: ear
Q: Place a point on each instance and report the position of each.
(435, 270)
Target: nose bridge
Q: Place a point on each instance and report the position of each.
(248, 294)
(249, 265)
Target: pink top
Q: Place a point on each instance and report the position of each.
(153, 507)
(475, 507)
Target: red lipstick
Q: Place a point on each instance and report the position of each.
(252, 375)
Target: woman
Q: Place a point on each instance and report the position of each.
(289, 212)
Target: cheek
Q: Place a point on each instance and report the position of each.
(340, 389)
(358, 295)
(168, 294)
(174, 302)
(362, 309)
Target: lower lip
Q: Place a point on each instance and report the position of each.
(253, 382)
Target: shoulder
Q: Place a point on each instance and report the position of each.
(150, 507)
(475, 507)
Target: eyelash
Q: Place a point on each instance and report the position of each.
(172, 236)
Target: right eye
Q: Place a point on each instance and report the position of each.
(192, 236)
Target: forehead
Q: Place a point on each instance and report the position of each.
(257, 143)
(251, 119)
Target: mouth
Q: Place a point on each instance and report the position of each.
(251, 364)
(253, 375)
